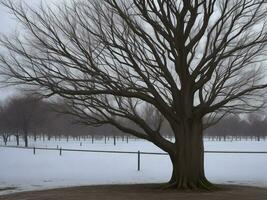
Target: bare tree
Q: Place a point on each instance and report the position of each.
(21, 114)
(230, 125)
(3, 128)
(110, 58)
(5, 136)
(257, 125)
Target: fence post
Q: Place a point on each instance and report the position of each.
(33, 150)
(60, 151)
(138, 161)
(114, 142)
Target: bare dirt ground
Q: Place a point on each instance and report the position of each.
(141, 192)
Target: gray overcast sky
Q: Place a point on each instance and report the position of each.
(9, 24)
(5, 20)
(6, 26)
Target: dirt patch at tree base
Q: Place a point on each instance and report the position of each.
(141, 192)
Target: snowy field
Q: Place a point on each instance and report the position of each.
(24, 171)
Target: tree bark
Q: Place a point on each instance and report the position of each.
(188, 158)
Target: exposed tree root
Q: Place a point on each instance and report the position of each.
(172, 185)
(201, 184)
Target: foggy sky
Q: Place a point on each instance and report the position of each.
(8, 24)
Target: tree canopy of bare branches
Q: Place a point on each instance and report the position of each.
(110, 59)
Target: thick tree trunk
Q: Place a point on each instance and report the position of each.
(188, 158)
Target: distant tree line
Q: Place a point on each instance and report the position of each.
(252, 125)
(28, 115)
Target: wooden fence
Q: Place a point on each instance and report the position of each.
(138, 153)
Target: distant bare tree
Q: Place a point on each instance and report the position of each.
(4, 128)
(110, 58)
(21, 113)
(230, 125)
(258, 127)
(5, 136)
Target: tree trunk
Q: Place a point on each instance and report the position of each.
(5, 139)
(26, 138)
(35, 136)
(17, 139)
(188, 158)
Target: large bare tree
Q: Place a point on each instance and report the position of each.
(111, 58)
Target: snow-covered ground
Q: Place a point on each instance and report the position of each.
(21, 169)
